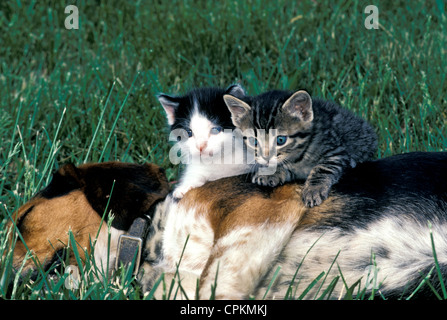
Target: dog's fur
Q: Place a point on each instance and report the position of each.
(77, 199)
(376, 219)
(378, 214)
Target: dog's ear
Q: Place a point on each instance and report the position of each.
(64, 180)
(145, 186)
(156, 186)
(69, 170)
(71, 175)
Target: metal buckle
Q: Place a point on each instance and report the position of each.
(138, 257)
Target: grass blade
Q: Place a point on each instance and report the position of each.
(116, 119)
(438, 269)
(99, 123)
(275, 275)
(311, 285)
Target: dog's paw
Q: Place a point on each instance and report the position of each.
(314, 195)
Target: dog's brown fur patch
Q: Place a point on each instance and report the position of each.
(234, 202)
(46, 235)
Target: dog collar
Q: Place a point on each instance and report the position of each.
(130, 245)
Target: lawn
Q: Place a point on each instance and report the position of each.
(89, 94)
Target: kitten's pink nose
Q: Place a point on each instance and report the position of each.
(201, 146)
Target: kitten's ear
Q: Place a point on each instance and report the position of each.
(300, 105)
(237, 107)
(170, 105)
(236, 90)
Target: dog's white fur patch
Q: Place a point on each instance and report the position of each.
(106, 247)
(396, 247)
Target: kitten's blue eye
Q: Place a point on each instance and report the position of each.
(216, 130)
(281, 140)
(189, 132)
(253, 141)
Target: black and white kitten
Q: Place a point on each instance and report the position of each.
(314, 140)
(201, 124)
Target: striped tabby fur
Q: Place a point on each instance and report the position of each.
(315, 140)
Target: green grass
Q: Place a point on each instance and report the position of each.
(89, 94)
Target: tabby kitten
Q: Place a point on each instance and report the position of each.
(201, 124)
(305, 139)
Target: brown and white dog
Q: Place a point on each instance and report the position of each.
(77, 199)
(231, 239)
(237, 240)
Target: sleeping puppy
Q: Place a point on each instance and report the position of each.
(81, 199)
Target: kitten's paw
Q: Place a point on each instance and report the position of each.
(268, 181)
(314, 195)
(180, 191)
(261, 180)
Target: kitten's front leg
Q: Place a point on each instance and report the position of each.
(279, 177)
(181, 190)
(187, 184)
(321, 179)
(314, 195)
